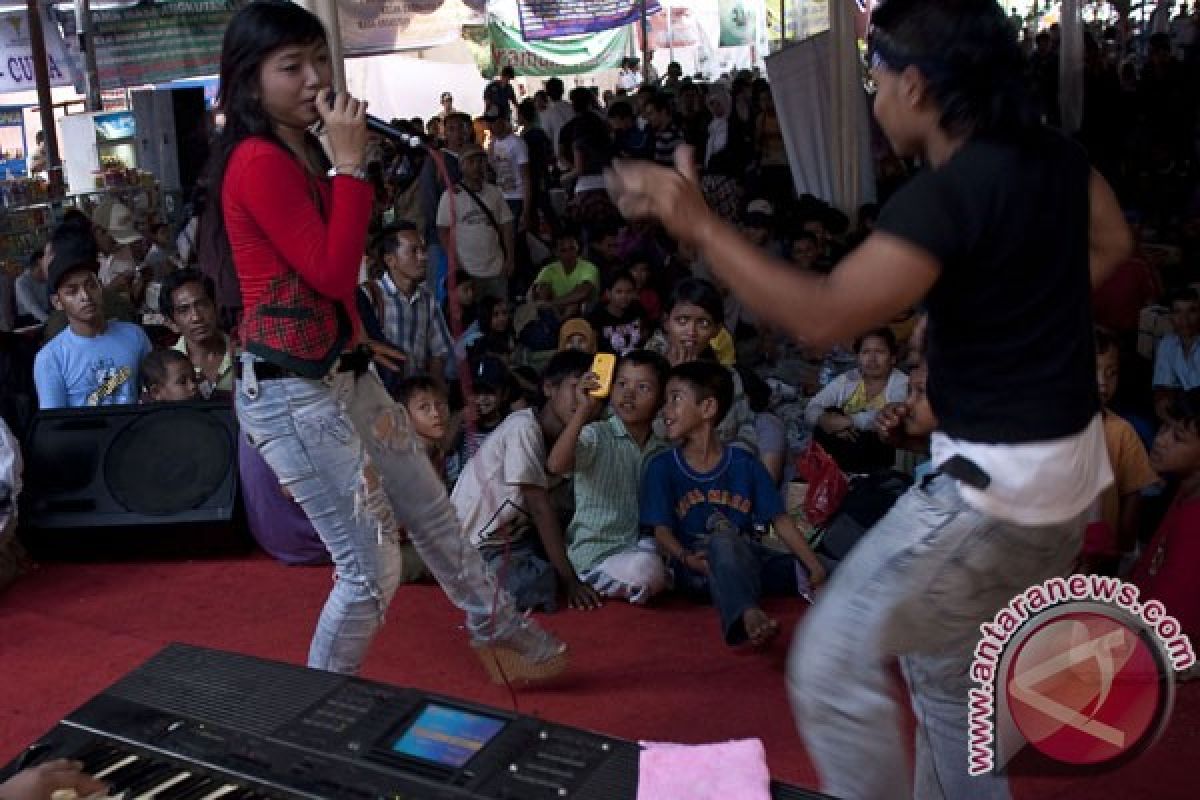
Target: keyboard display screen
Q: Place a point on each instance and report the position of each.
(447, 736)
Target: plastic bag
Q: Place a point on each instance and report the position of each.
(826, 484)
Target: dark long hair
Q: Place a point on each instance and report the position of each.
(968, 54)
(259, 29)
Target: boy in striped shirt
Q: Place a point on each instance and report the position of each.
(606, 459)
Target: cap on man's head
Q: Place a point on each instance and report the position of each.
(73, 250)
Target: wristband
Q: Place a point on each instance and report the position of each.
(356, 171)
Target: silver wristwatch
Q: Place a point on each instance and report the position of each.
(358, 172)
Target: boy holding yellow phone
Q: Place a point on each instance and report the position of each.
(604, 541)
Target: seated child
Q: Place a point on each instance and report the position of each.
(493, 325)
(1115, 532)
(606, 459)
(490, 402)
(703, 501)
(1166, 570)
(168, 377)
(537, 324)
(462, 302)
(618, 321)
(425, 401)
(503, 493)
(577, 334)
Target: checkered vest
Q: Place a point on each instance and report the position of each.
(297, 328)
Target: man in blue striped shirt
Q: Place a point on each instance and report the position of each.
(401, 310)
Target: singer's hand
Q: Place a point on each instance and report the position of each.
(346, 126)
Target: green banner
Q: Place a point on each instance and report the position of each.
(565, 55)
(155, 41)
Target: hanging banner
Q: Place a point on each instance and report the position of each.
(569, 55)
(388, 26)
(681, 32)
(16, 59)
(545, 19)
(800, 19)
(155, 41)
(739, 21)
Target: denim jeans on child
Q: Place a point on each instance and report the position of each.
(917, 586)
(740, 573)
(345, 452)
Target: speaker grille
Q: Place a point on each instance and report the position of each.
(169, 461)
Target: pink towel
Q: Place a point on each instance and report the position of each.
(704, 771)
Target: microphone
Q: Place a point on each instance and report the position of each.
(387, 130)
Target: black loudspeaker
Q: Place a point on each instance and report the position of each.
(121, 481)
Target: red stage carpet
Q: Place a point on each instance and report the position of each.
(69, 630)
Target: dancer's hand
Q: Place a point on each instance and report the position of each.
(582, 596)
(44, 780)
(672, 196)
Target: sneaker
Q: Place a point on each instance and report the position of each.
(528, 655)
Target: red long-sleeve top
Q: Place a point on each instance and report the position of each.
(275, 225)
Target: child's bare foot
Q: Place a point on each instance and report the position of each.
(760, 629)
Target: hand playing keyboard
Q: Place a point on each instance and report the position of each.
(54, 780)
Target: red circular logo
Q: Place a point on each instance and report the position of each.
(1085, 687)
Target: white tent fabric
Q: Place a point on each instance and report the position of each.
(823, 111)
(799, 77)
(854, 170)
(406, 85)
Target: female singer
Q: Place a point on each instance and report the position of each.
(294, 228)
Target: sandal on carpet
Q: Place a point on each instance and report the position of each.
(527, 655)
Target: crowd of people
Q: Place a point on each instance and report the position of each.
(545, 265)
(498, 266)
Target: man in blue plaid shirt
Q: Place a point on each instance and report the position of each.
(399, 309)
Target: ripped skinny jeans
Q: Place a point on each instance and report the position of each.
(346, 452)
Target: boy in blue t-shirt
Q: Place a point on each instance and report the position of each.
(703, 500)
(93, 361)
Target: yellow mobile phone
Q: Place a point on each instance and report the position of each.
(604, 364)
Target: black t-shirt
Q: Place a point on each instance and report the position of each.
(1009, 346)
(540, 157)
(618, 334)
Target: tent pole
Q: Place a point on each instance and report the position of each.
(41, 76)
(91, 75)
(327, 12)
(645, 36)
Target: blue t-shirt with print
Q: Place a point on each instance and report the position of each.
(73, 371)
(737, 493)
